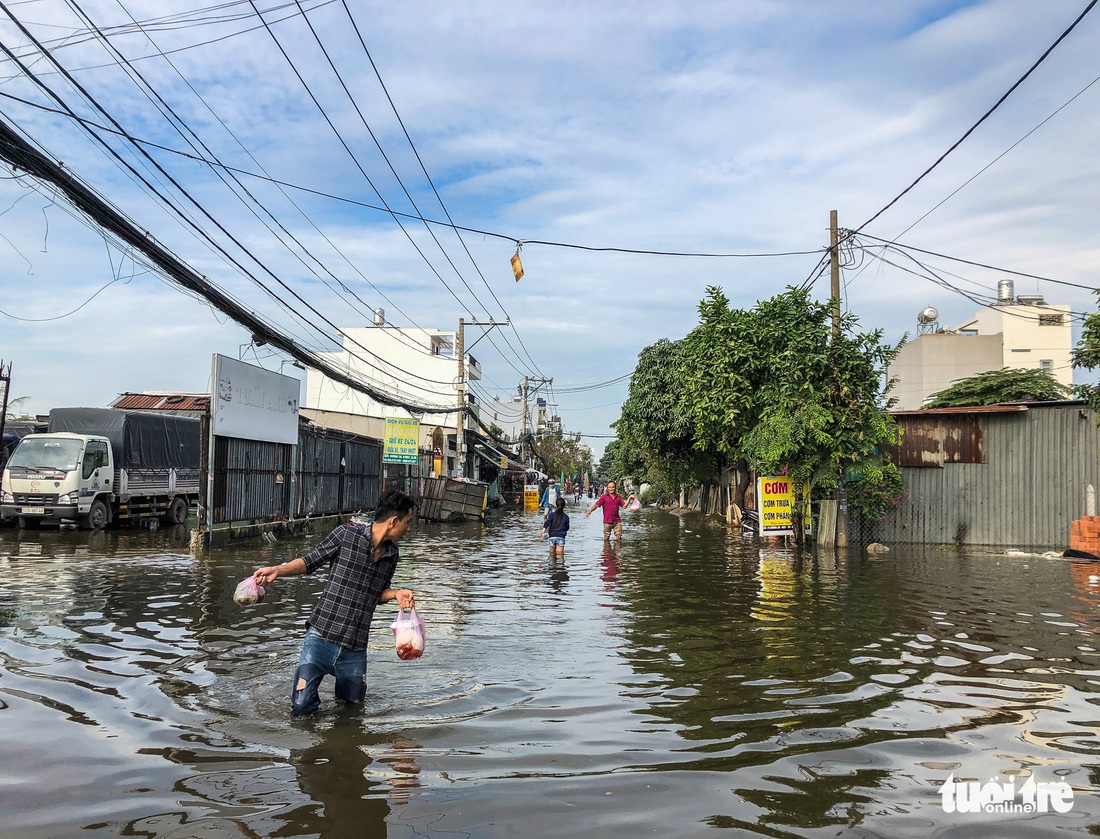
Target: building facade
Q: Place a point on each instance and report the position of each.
(419, 366)
(1022, 332)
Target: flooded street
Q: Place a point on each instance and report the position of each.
(686, 683)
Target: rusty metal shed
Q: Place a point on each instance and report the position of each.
(999, 475)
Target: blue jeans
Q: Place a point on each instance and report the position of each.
(319, 658)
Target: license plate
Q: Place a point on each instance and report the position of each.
(34, 511)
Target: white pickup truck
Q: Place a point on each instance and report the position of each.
(99, 465)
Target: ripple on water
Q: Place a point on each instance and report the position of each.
(680, 682)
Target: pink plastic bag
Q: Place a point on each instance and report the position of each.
(248, 592)
(408, 635)
(634, 505)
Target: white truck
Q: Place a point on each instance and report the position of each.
(95, 466)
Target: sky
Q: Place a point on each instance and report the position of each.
(706, 127)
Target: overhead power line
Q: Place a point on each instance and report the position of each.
(984, 116)
(190, 222)
(389, 211)
(21, 154)
(248, 199)
(1024, 274)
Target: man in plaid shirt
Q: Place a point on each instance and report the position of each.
(361, 562)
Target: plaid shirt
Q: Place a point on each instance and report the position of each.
(356, 579)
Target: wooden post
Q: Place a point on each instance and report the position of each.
(826, 524)
(200, 536)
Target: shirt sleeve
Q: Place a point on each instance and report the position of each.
(326, 551)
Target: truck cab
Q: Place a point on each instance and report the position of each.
(59, 478)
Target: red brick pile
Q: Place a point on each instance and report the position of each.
(1085, 535)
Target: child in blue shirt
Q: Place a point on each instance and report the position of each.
(556, 526)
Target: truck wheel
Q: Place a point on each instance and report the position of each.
(177, 510)
(97, 517)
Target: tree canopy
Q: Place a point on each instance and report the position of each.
(770, 385)
(562, 455)
(1086, 356)
(656, 437)
(996, 386)
(773, 385)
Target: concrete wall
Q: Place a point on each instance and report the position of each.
(931, 363)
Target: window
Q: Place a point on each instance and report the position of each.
(1050, 320)
(1047, 365)
(95, 455)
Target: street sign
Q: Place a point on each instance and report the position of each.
(775, 500)
(402, 443)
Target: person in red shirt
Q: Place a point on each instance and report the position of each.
(611, 502)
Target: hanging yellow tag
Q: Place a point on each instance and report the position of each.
(517, 266)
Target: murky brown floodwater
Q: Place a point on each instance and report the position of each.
(687, 684)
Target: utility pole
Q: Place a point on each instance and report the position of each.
(5, 377)
(834, 271)
(460, 419)
(834, 292)
(527, 392)
(523, 432)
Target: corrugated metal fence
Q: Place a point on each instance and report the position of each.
(1009, 478)
(252, 480)
(258, 481)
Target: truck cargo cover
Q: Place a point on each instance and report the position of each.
(140, 439)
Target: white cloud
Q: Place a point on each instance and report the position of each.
(714, 127)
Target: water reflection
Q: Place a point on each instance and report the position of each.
(685, 680)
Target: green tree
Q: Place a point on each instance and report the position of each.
(610, 467)
(558, 454)
(772, 385)
(996, 386)
(656, 438)
(1086, 356)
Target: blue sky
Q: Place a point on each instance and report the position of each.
(728, 127)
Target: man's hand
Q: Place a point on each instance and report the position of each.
(405, 598)
(265, 576)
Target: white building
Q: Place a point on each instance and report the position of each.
(1022, 332)
(418, 366)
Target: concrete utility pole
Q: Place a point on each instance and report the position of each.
(834, 292)
(529, 391)
(460, 417)
(834, 271)
(523, 431)
(460, 421)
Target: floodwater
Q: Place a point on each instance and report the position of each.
(687, 684)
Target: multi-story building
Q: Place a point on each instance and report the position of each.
(418, 366)
(1023, 332)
